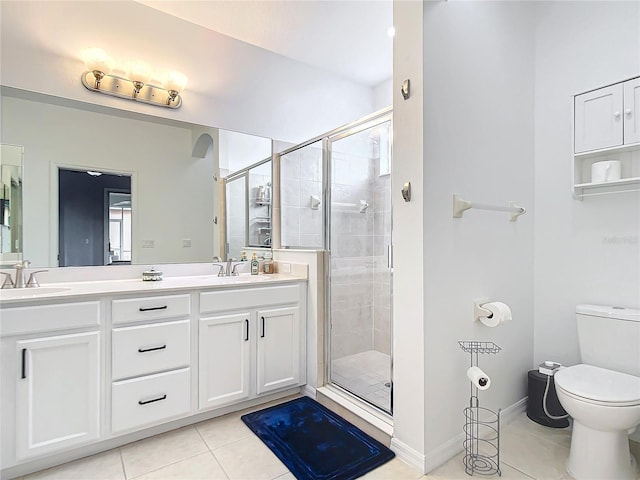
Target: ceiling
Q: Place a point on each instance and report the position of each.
(345, 37)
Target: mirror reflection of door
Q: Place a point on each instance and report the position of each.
(84, 222)
(118, 232)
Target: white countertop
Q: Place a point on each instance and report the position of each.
(77, 290)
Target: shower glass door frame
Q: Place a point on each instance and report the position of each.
(329, 140)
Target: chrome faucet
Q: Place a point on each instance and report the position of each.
(220, 269)
(19, 281)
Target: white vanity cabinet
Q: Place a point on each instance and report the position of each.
(278, 349)
(51, 378)
(150, 360)
(225, 344)
(606, 124)
(252, 351)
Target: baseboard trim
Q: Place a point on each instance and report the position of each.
(453, 446)
(308, 391)
(407, 454)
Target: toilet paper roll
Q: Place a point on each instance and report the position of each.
(479, 379)
(500, 312)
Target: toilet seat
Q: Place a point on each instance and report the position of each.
(599, 386)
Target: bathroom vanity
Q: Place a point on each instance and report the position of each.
(87, 366)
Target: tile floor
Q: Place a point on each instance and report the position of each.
(367, 375)
(225, 449)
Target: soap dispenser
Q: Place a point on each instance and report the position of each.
(255, 265)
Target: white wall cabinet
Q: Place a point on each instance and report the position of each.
(607, 128)
(57, 392)
(224, 358)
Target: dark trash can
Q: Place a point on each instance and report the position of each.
(537, 384)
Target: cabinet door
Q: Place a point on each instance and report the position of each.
(58, 393)
(632, 111)
(278, 351)
(224, 359)
(598, 119)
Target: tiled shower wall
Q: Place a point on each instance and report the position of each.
(360, 278)
(301, 177)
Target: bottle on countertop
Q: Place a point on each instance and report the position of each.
(243, 257)
(268, 263)
(255, 265)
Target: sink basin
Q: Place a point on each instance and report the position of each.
(15, 293)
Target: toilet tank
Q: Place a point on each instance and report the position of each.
(609, 337)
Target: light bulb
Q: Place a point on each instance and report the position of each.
(97, 59)
(139, 72)
(175, 81)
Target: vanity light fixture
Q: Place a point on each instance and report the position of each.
(136, 86)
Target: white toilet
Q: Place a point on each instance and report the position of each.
(602, 394)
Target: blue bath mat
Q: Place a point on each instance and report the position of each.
(315, 443)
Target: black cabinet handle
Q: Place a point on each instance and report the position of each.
(24, 363)
(246, 332)
(164, 307)
(263, 327)
(140, 402)
(143, 350)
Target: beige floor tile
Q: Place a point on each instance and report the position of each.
(286, 476)
(561, 436)
(156, 452)
(202, 466)
(533, 455)
(394, 469)
(454, 469)
(223, 430)
(249, 459)
(104, 466)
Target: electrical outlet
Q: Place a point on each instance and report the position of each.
(285, 267)
(186, 242)
(148, 243)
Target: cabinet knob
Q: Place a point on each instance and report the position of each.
(616, 114)
(627, 111)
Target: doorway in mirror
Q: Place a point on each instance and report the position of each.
(94, 214)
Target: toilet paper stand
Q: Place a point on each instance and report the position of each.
(482, 426)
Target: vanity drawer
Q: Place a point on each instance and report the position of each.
(150, 308)
(148, 400)
(145, 349)
(248, 298)
(20, 320)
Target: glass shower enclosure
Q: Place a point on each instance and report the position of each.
(359, 266)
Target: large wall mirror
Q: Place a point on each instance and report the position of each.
(173, 211)
(10, 204)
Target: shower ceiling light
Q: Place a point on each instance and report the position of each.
(137, 86)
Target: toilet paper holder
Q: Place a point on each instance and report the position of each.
(491, 313)
(479, 311)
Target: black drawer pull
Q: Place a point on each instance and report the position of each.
(263, 327)
(164, 307)
(246, 332)
(152, 349)
(140, 402)
(24, 363)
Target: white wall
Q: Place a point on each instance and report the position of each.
(232, 85)
(478, 143)
(585, 251)
(383, 95)
(408, 270)
(172, 192)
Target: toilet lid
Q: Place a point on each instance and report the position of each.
(599, 384)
